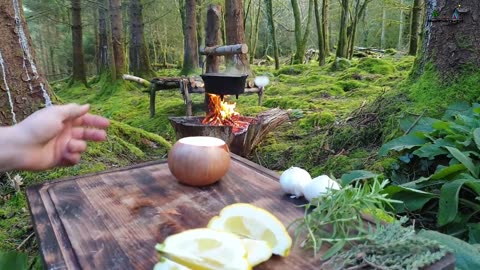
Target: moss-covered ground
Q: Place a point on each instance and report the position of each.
(338, 119)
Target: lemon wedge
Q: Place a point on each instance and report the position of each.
(165, 264)
(258, 251)
(253, 222)
(205, 249)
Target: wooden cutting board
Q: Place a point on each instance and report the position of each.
(112, 220)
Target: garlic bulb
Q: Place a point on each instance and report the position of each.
(293, 180)
(319, 186)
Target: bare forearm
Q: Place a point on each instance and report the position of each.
(11, 150)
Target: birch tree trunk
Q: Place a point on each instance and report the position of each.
(271, 29)
(384, 25)
(400, 27)
(190, 53)
(79, 74)
(138, 55)
(23, 88)
(116, 21)
(235, 34)
(414, 27)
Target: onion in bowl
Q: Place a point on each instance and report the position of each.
(199, 160)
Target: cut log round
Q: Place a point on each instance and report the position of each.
(241, 143)
(225, 50)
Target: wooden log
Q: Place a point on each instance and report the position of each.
(225, 50)
(186, 96)
(240, 143)
(213, 36)
(136, 79)
(152, 101)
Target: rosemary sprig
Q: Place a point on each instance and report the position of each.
(336, 218)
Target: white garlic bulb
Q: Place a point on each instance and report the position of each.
(319, 186)
(293, 180)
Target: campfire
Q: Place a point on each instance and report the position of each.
(222, 113)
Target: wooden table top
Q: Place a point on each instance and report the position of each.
(113, 219)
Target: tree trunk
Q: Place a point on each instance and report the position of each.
(384, 26)
(321, 44)
(326, 23)
(117, 37)
(190, 53)
(301, 41)
(213, 36)
(103, 56)
(200, 29)
(255, 26)
(342, 37)
(23, 86)
(79, 74)
(359, 10)
(414, 27)
(271, 28)
(451, 46)
(400, 27)
(139, 62)
(235, 34)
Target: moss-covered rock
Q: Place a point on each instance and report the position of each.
(376, 66)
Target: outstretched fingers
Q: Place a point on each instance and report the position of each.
(89, 134)
(91, 120)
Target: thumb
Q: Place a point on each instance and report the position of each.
(71, 111)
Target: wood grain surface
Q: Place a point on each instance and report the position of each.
(113, 220)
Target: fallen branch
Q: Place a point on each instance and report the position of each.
(25, 241)
(136, 79)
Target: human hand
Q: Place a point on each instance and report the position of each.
(57, 136)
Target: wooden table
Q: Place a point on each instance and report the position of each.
(112, 220)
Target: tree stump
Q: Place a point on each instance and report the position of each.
(241, 143)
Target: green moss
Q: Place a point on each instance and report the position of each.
(350, 85)
(317, 120)
(292, 70)
(376, 66)
(341, 64)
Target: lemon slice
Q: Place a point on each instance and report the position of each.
(258, 251)
(256, 223)
(205, 249)
(165, 264)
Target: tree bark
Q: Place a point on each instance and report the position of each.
(235, 34)
(103, 56)
(342, 37)
(451, 46)
(23, 88)
(213, 36)
(360, 8)
(414, 27)
(79, 74)
(400, 27)
(200, 29)
(301, 41)
(321, 44)
(116, 20)
(271, 29)
(190, 53)
(384, 26)
(255, 26)
(138, 55)
(326, 23)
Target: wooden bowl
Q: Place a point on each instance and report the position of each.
(199, 161)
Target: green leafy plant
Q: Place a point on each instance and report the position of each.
(437, 173)
(337, 218)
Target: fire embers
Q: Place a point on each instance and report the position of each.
(222, 113)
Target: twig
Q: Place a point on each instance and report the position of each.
(25, 241)
(414, 123)
(374, 265)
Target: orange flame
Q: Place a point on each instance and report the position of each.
(222, 113)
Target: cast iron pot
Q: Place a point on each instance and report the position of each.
(222, 84)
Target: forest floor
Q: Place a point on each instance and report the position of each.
(338, 119)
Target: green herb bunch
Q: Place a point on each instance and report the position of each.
(392, 247)
(337, 217)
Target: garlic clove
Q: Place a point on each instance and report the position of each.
(293, 181)
(319, 186)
